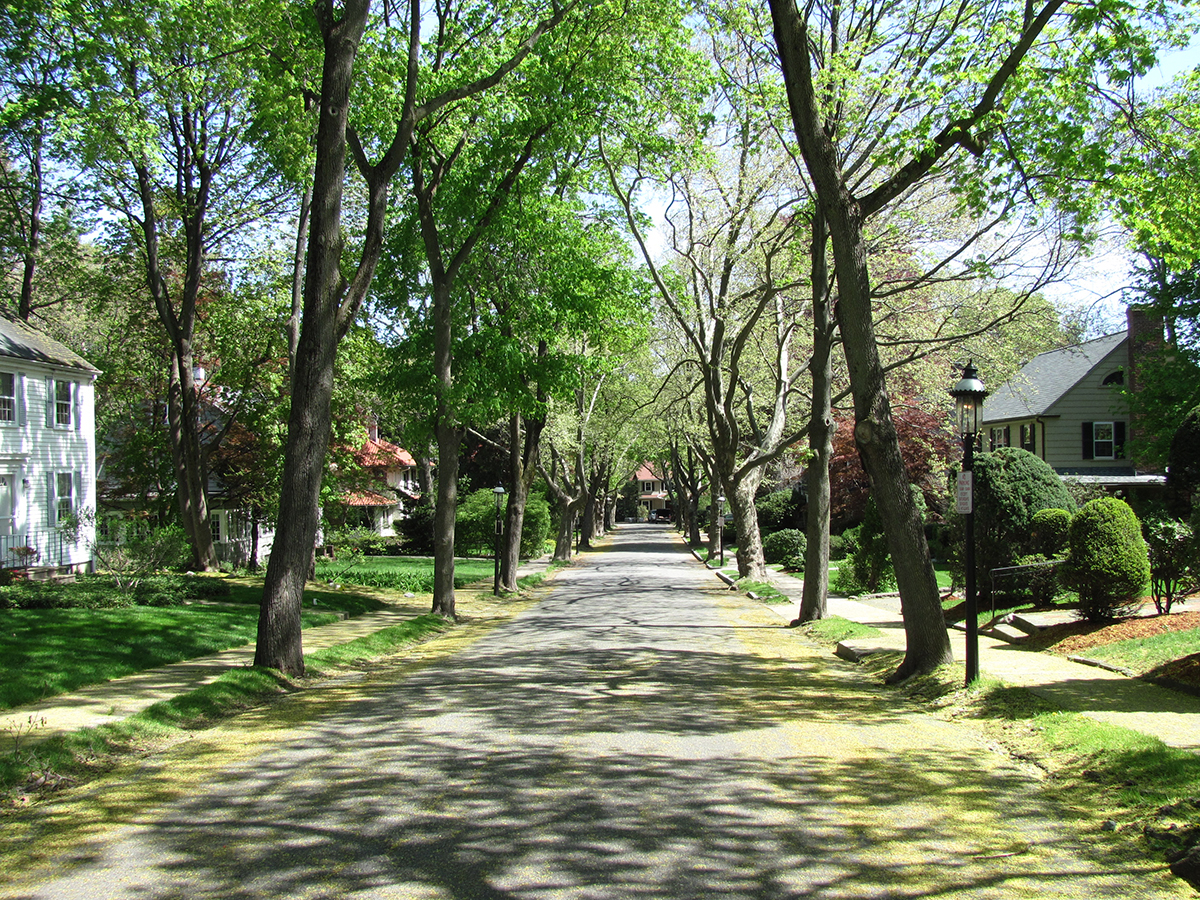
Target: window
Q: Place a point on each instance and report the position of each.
(647, 487)
(62, 403)
(1103, 440)
(998, 437)
(65, 487)
(8, 397)
(1117, 377)
(1029, 437)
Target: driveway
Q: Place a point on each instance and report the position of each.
(639, 733)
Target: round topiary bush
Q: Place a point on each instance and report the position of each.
(786, 547)
(1107, 561)
(1011, 486)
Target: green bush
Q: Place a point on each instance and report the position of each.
(475, 524)
(1171, 547)
(786, 547)
(777, 511)
(536, 527)
(1107, 561)
(1011, 486)
(1048, 530)
(837, 547)
(416, 530)
(1041, 583)
(868, 565)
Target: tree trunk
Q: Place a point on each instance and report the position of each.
(814, 601)
(279, 645)
(745, 519)
(928, 643)
(449, 440)
(524, 441)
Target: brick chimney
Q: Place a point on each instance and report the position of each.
(1145, 326)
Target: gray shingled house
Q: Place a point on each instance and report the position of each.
(1069, 406)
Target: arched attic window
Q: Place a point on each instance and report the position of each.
(1117, 377)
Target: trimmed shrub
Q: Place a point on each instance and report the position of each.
(1107, 562)
(1011, 486)
(1048, 532)
(786, 547)
(1041, 583)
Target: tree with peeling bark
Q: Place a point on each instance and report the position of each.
(731, 292)
(885, 95)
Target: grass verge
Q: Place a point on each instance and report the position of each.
(28, 768)
(833, 629)
(52, 651)
(1126, 781)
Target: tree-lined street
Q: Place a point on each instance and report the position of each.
(638, 733)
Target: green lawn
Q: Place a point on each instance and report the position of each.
(51, 651)
(399, 573)
(1144, 654)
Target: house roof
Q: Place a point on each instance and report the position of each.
(647, 473)
(18, 340)
(367, 498)
(379, 454)
(1046, 378)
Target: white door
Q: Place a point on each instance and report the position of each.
(6, 504)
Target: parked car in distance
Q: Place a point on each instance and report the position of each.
(660, 515)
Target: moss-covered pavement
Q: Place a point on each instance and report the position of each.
(640, 732)
(1106, 696)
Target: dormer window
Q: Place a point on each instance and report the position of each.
(1117, 378)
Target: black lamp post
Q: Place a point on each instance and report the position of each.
(968, 397)
(498, 492)
(721, 526)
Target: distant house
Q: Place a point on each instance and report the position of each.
(651, 490)
(1068, 406)
(389, 483)
(47, 449)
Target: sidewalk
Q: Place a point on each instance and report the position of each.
(1170, 716)
(111, 701)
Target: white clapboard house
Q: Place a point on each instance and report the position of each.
(47, 450)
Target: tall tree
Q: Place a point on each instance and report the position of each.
(472, 51)
(883, 95)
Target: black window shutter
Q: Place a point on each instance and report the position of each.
(1088, 447)
(1007, 435)
(1118, 440)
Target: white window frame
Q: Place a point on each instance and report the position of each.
(14, 397)
(1111, 440)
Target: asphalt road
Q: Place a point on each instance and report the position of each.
(639, 733)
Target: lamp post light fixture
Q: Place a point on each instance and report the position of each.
(498, 493)
(721, 526)
(968, 397)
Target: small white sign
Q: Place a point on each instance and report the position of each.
(966, 493)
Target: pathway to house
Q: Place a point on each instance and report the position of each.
(641, 732)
